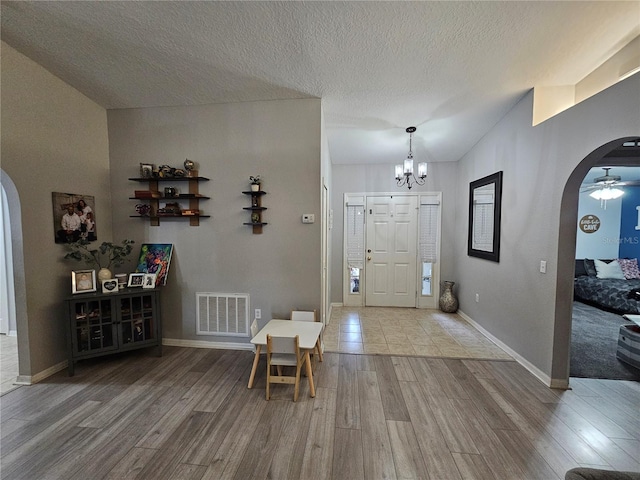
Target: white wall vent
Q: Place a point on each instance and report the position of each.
(222, 314)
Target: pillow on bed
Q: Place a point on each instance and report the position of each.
(629, 267)
(609, 270)
(590, 267)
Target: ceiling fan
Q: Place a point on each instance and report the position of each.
(606, 187)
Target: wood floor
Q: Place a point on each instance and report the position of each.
(189, 415)
(8, 363)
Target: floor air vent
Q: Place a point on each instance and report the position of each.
(222, 314)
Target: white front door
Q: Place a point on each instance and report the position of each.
(390, 267)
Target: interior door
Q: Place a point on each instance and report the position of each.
(390, 268)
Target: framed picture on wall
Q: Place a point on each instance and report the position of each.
(74, 217)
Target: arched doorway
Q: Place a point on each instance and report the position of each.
(12, 231)
(566, 260)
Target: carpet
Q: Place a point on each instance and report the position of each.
(594, 340)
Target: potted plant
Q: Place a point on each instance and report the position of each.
(255, 183)
(107, 255)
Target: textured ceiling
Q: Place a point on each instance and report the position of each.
(452, 69)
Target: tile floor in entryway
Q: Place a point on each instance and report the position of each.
(406, 331)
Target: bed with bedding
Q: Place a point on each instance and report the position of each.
(612, 285)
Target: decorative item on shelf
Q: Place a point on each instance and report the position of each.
(404, 172)
(170, 192)
(104, 274)
(155, 258)
(146, 170)
(83, 281)
(149, 280)
(143, 209)
(448, 299)
(135, 280)
(255, 217)
(169, 209)
(190, 212)
(104, 257)
(178, 172)
(109, 285)
(122, 280)
(144, 194)
(255, 183)
(190, 166)
(166, 171)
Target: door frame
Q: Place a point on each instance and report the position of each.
(358, 299)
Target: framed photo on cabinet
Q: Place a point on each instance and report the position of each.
(135, 279)
(83, 281)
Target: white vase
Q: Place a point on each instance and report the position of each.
(104, 274)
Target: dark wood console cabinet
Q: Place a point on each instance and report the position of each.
(102, 324)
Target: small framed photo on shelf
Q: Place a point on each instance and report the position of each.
(149, 280)
(135, 279)
(83, 281)
(110, 286)
(146, 170)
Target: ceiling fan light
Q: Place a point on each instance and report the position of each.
(616, 193)
(607, 194)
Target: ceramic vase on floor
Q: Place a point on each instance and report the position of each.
(448, 299)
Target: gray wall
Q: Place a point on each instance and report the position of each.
(527, 310)
(53, 140)
(281, 141)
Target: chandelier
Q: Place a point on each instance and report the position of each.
(404, 172)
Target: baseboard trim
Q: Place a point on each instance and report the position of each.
(539, 374)
(38, 377)
(179, 342)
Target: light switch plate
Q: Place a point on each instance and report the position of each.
(308, 218)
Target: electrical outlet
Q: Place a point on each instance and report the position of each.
(258, 313)
(543, 266)
(477, 297)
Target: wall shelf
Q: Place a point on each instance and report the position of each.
(256, 210)
(155, 196)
